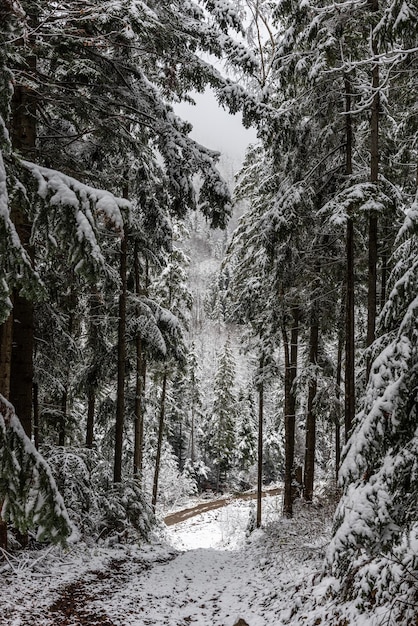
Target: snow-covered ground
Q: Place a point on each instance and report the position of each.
(204, 571)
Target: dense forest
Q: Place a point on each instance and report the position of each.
(147, 349)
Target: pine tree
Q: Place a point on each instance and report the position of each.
(28, 493)
(221, 437)
(375, 523)
(103, 105)
(246, 431)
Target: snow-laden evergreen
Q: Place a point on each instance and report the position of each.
(374, 547)
(29, 496)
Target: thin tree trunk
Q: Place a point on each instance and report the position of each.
(63, 418)
(6, 336)
(338, 414)
(290, 409)
(21, 371)
(91, 404)
(3, 525)
(349, 381)
(94, 375)
(139, 417)
(384, 278)
(3, 533)
(36, 415)
(23, 134)
(120, 400)
(372, 284)
(192, 437)
(159, 442)
(374, 177)
(260, 448)
(139, 386)
(308, 482)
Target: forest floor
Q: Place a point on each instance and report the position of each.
(204, 507)
(204, 570)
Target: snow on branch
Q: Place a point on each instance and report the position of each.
(61, 191)
(362, 197)
(69, 191)
(11, 245)
(28, 492)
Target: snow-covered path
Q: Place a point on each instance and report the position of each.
(215, 579)
(203, 586)
(205, 572)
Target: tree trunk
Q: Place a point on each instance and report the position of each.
(374, 178)
(384, 278)
(91, 404)
(3, 533)
(349, 382)
(95, 370)
(192, 435)
(338, 414)
(6, 336)
(372, 284)
(120, 400)
(63, 419)
(36, 415)
(23, 134)
(139, 385)
(159, 442)
(310, 445)
(21, 371)
(260, 448)
(290, 409)
(139, 416)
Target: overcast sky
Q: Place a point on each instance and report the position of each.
(215, 128)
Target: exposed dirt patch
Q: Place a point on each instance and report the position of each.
(71, 608)
(75, 605)
(181, 516)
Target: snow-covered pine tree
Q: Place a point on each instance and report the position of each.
(221, 441)
(105, 103)
(246, 435)
(373, 549)
(106, 118)
(28, 493)
(170, 289)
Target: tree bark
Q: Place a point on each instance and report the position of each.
(63, 419)
(192, 435)
(3, 533)
(21, 371)
(139, 416)
(372, 284)
(338, 415)
(159, 442)
(36, 415)
(120, 400)
(23, 134)
(374, 178)
(6, 336)
(139, 386)
(91, 404)
(349, 381)
(308, 482)
(95, 370)
(260, 448)
(291, 352)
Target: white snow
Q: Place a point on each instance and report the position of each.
(204, 571)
